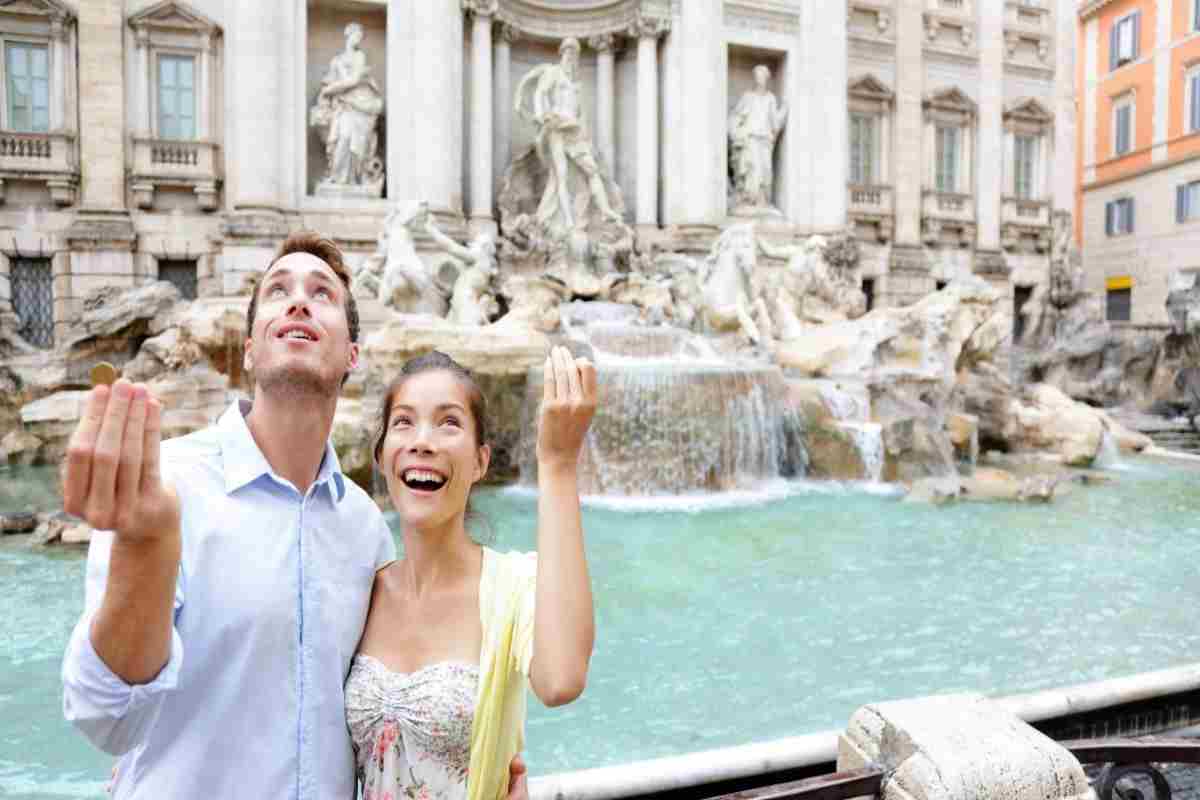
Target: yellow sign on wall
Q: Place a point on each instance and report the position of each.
(1119, 282)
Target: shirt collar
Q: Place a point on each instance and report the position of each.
(244, 463)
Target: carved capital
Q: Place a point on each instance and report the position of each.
(510, 33)
(649, 25)
(932, 26)
(58, 27)
(603, 43)
(481, 8)
(142, 36)
(883, 20)
(1043, 49)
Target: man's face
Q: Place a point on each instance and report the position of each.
(300, 343)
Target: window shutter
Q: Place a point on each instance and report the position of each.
(1181, 196)
(1108, 218)
(1129, 219)
(1194, 86)
(1137, 34)
(1113, 44)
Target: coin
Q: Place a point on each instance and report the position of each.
(104, 373)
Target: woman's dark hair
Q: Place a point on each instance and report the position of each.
(437, 361)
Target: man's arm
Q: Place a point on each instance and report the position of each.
(112, 480)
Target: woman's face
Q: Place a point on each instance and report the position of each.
(429, 456)
(354, 37)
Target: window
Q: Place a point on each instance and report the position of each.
(176, 97)
(1191, 101)
(1025, 154)
(33, 300)
(180, 273)
(939, 285)
(868, 289)
(1123, 40)
(1122, 126)
(1118, 298)
(1187, 201)
(1118, 216)
(27, 69)
(862, 148)
(1196, 15)
(947, 159)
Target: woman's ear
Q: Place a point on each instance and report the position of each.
(484, 459)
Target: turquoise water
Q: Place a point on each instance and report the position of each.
(754, 622)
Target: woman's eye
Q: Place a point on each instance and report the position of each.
(399, 421)
(452, 421)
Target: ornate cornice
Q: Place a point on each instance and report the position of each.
(173, 15)
(548, 20)
(1090, 8)
(481, 8)
(649, 26)
(762, 15)
(603, 43)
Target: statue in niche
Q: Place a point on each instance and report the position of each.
(394, 274)
(472, 300)
(554, 107)
(754, 127)
(347, 108)
(728, 295)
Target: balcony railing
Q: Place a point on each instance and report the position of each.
(44, 157)
(953, 7)
(870, 198)
(1027, 15)
(951, 206)
(169, 162)
(1024, 212)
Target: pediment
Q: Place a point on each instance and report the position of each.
(952, 99)
(1028, 108)
(870, 86)
(37, 8)
(173, 15)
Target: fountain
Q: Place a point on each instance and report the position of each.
(674, 418)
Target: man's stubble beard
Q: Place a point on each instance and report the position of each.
(292, 383)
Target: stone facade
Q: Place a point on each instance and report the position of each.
(178, 137)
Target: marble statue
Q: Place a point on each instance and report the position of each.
(347, 108)
(811, 291)
(730, 302)
(550, 97)
(754, 127)
(472, 300)
(394, 274)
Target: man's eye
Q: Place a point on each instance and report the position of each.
(275, 291)
(324, 293)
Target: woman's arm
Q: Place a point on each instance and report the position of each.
(564, 626)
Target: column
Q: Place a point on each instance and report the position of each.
(502, 103)
(605, 88)
(1064, 161)
(647, 29)
(989, 125)
(910, 85)
(102, 116)
(204, 92)
(425, 116)
(481, 13)
(142, 84)
(824, 52)
(256, 53)
(58, 56)
(695, 151)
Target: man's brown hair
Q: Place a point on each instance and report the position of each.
(323, 248)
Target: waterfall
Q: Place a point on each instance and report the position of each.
(1109, 454)
(671, 421)
(868, 438)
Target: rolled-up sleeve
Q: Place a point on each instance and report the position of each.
(112, 714)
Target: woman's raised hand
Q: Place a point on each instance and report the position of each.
(568, 405)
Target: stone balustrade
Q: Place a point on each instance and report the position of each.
(1025, 212)
(43, 157)
(964, 7)
(1025, 15)
(872, 205)
(948, 206)
(175, 163)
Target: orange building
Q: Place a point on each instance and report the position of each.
(1138, 150)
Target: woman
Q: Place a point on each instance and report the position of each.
(435, 699)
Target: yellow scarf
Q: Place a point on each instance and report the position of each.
(506, 600)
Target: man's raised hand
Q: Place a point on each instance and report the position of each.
(111, 475)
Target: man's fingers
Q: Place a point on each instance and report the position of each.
(152, 444)
(129, 469)
(108, 453)
(78, 473)
(562, 385)
(548, 380)
(587, 379)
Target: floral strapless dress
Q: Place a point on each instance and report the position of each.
(411, 731)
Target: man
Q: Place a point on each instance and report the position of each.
(229, 582)
(562, 139)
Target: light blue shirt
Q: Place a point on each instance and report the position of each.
(270, 604)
